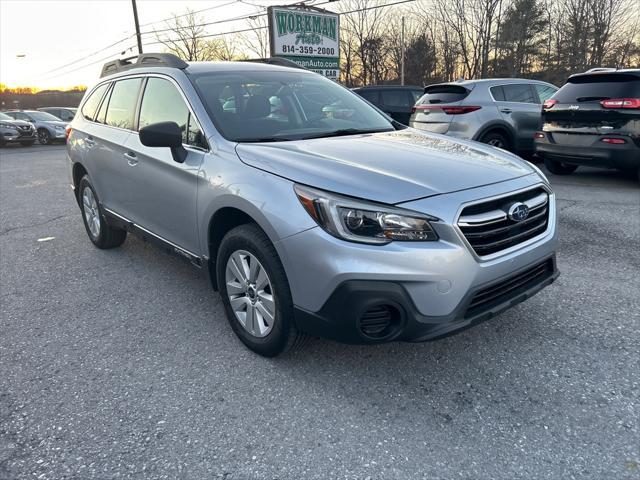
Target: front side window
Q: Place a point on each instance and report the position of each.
(254, 106)
(90, 107)
(162, 102)
(518, 92)
(122, 103)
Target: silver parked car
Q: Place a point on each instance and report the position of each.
(65, 114)
(324, 219)
(16, 131)
(49, 128)
(504, 112)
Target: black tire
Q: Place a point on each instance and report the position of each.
(283, 335)
(107, 236)
(28, 143)
(44, 137)
(559, 168)
(496, 139)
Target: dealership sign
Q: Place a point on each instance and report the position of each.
(308, 36)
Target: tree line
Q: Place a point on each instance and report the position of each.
(445, 40)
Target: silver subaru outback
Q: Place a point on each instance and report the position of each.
(314, 213)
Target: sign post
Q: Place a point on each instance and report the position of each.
(308, 36)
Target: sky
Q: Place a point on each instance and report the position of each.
(37, 37)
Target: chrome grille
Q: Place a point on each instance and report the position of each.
(488, 228)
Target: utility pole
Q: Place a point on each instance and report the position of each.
(135, 18)
(402, 55)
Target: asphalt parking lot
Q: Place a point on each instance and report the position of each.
(121, 364)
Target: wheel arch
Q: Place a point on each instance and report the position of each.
(500, 127)
(78, 171)
(228, 215)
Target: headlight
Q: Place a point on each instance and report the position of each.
(8, 125)
(539, 172)
(365, 222)
(58, 127)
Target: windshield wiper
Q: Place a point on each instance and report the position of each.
(346, 131)
(591, 99)
(262, 140)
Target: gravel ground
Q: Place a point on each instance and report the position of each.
(120, 364)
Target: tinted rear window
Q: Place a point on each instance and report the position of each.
(91, 105)
(599, 87)
(443, 94)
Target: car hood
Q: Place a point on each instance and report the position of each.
(389, 167)
(55, 123)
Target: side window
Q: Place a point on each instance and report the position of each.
(102, 112)
(122, 103)
(498, 93)
(416, 94)
(545, 92)
(519, 92)
(162, 102)
(91, 105)
(395, 98)
(371, 96)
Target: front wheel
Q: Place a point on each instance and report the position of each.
(559, 168)
(255, 292)
(100, 232)
(44, 137)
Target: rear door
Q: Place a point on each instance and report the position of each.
(165, 191)
(518, 105)
(105, 137)
(430, 111)
(595, 104)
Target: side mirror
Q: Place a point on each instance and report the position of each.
(164, 134)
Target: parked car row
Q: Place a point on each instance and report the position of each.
(47, 125)
(594, 119)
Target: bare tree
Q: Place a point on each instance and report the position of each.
(256, 42)
(184, 37)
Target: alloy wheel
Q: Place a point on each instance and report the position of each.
(91, 212)
(250, 293)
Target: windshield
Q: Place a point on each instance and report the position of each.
(279, 106)
(43, 116)
(4, 116)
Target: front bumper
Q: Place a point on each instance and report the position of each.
(431, 284)
(596, 154)
(10, 136)
(347, 317)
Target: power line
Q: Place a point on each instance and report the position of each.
(191, 13)
(221, 33)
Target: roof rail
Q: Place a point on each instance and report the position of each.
(282, 62)
(601, 69)
(143, 60)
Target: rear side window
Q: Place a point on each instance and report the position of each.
(162, 102)
(91, 105)
(395, 98)
(122, 103)
(518, 92)
(443, 94)
(545, 92)
(599, 87)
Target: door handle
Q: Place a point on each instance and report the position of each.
(505, 110)
(131, 159)
(90, 141)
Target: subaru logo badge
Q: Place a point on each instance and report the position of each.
(518, 212)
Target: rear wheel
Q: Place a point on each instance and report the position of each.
(100, 232)
(496, 139)
(559, 168)
(255, 292)
(44, 137)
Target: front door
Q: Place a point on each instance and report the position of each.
(165, 191)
